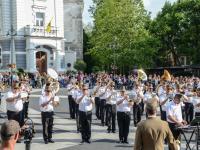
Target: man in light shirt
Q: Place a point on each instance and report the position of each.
(47, 112)
(196, 103)
(123, 116)
(14, 104)
(85, 113)
(174, 115)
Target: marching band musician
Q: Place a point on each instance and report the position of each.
(76, 93)
(25, 88)
(189, 108)
(164, 99)
(111, 109)
(174, 116)
(123, 115)
(97, 99)
(47, 111)
(102, 95)
(85, 102)
(70, 88)
(15, 104)
(149, 94)
(196, 103)
(137, 110)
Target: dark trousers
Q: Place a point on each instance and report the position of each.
(111, 117)
(123, 119)
(102, 110)
(71, 106)
(175, 131)
(77, 117)
(136, 113)
(197, 114)
(189, 112)
(47, 124)
(163, 115)
(12, 115)
(97, 107)
(85, 121)
(25, 109)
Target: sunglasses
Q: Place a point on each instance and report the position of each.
(48, 91)
(85, 89)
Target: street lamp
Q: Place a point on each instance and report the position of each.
(12, 64)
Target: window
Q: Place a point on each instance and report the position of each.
(39, 19)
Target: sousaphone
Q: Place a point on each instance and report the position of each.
(166, 76)
(142, 75)
(53, 77)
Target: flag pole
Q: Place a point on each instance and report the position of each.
(55, 14)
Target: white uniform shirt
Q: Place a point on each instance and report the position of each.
(147, 96)
(161, 99)
(47, 108)
(113, 98)
(174, 110)
(14, 106)
(101, 91)
(96, 89)
(85, 104)
(196, 100)
(123, 107)
(69, 86)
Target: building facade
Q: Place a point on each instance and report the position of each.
(25, 40)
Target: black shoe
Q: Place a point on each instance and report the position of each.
(51, 141)
(119, 141)
(46, 142)
(109, 131)
(88, 141)
(126, 142)
(113, 132)
(82, 141)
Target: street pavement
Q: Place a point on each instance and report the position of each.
(65, 134)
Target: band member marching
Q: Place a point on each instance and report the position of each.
(85, 114)
(46, 103)
(97, 99)
(14, 105)
(76, 93)
(123, 116)
(70, 88)
(137, 107)
(111, 109)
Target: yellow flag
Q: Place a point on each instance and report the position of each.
(48, 28)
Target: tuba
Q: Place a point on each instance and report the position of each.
(166, 76)
(142, 75)
(53, 79)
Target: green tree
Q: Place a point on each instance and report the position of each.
(177, 29)
(80, 65)
(120, 36)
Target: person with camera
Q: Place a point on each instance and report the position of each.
(9, 134)
(123, 115)
(85, 102)
(47, 112)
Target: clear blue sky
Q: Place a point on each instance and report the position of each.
(151, 5)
